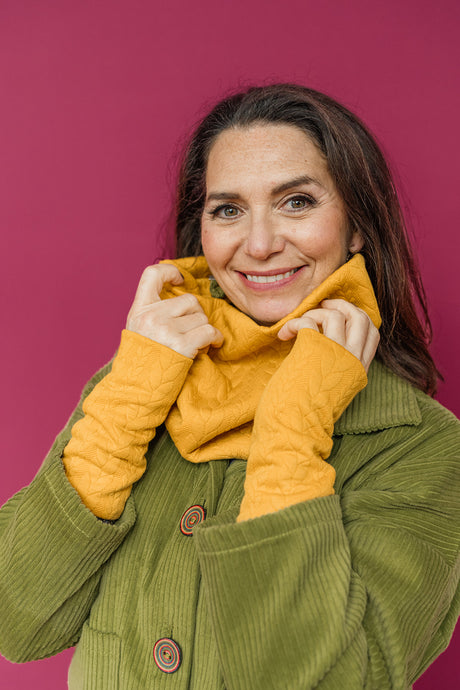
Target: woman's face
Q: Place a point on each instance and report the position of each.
(273, 225)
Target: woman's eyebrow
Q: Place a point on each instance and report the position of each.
(289, 184)
(296, 182)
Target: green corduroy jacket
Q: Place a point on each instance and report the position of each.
(356, 590)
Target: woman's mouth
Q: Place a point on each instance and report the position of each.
(269, 279)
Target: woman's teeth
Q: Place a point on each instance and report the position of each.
(269, 279)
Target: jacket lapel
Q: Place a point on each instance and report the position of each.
(387, 401)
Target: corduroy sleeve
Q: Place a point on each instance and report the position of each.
(354, 590)
(52, 549)
(52, 546)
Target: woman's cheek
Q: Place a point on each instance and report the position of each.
(208, 242)
(218, 247)
(322, 240)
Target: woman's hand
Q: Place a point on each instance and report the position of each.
(342, 322)
(179, 322)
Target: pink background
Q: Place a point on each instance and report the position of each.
(95, 98)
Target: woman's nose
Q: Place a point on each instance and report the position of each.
(263, 239)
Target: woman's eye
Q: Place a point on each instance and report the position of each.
(225, 211)
(298, 203)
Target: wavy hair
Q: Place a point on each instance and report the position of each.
(365, 184)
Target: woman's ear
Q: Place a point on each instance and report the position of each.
(356, 242)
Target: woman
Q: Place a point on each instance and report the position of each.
(252, 406)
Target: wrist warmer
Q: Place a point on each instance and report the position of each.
(293, 425)
(105, 455)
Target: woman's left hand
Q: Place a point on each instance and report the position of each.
(342, 322)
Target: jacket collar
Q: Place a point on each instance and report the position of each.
(387, 401)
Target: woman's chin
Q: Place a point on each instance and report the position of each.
(270, 316)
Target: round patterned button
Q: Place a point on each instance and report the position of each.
(192, 516)
(167, 655)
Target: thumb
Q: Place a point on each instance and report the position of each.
(152, 281)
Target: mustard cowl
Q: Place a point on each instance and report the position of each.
(294, 390)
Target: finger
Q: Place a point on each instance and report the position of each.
(362, 336)
(331, 323)
(292, 327)
(176, 306)
(349, 310)
(152, 280)
(165, 314)
(370, 347)
(189, 322)
(358, 325)
(218, 338)
(202, 337)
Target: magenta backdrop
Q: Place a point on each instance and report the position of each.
(96, 96)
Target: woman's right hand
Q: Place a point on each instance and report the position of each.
(179, 322)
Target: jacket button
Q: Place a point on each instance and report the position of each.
(167, 655)
(192, 516)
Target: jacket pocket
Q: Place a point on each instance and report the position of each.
(96, 662)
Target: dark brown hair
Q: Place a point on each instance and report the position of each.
(365, 184)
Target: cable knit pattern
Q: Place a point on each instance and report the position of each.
(213, 415)
(209, 403)
(294, 422)
(106, 453)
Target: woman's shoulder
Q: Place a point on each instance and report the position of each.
(393, 437)
(431, 411)
(390, 401)
(435, 412)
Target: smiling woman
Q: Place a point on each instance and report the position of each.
(256, 492)
(282, 230)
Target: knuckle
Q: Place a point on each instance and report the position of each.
(152, 269)
(365, 318)
(306, 322)
(191, 300)
(335, 315)
(373, 330)
(201, 318)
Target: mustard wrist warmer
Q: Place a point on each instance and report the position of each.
(293, 425)
(105, 455)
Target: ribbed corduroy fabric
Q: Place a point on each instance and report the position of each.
(355, 590)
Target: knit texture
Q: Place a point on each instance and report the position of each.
(293, 426)
(106, 453)
(209, 403)
(214, 412)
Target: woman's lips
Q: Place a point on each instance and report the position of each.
(269, 280)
